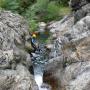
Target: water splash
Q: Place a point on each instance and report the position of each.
(38, 75)
(38, 79)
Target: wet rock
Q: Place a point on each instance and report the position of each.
(45, 86)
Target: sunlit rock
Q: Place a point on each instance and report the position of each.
(71, 69)
(15, 61)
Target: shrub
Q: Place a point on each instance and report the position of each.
(36, 10)
(43, 10)
(33, 25)
(52, 12)
(12, 5)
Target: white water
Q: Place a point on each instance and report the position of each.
(39, 80)
(38, 75)
(38, 65)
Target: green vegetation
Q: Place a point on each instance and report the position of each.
(37, 10)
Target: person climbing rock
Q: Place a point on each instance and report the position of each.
(34, 42)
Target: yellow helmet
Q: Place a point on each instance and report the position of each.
(34, 35)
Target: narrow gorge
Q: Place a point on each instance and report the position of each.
(63, 63)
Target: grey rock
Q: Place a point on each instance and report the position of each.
(15, 61)
(71, 69)
(77, 4)
(13, 36)
(84, 11)
(19, 79)
(78, 76)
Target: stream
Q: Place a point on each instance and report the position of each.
(39, 60)
(41, 57)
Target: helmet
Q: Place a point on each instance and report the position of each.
(34, 35)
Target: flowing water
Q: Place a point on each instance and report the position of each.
(39, 60)
(38, 75)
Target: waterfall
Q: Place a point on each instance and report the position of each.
(39, 60)
(38, 75)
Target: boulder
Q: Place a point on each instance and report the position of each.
(77, 4)
(19, 79)
(15, 61)
(71, 69)
(13, 36)
(84, 11)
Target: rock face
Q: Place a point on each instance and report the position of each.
(84, 11)
(14, 60)
(77, 4)
(71, 69)
(19, 79)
